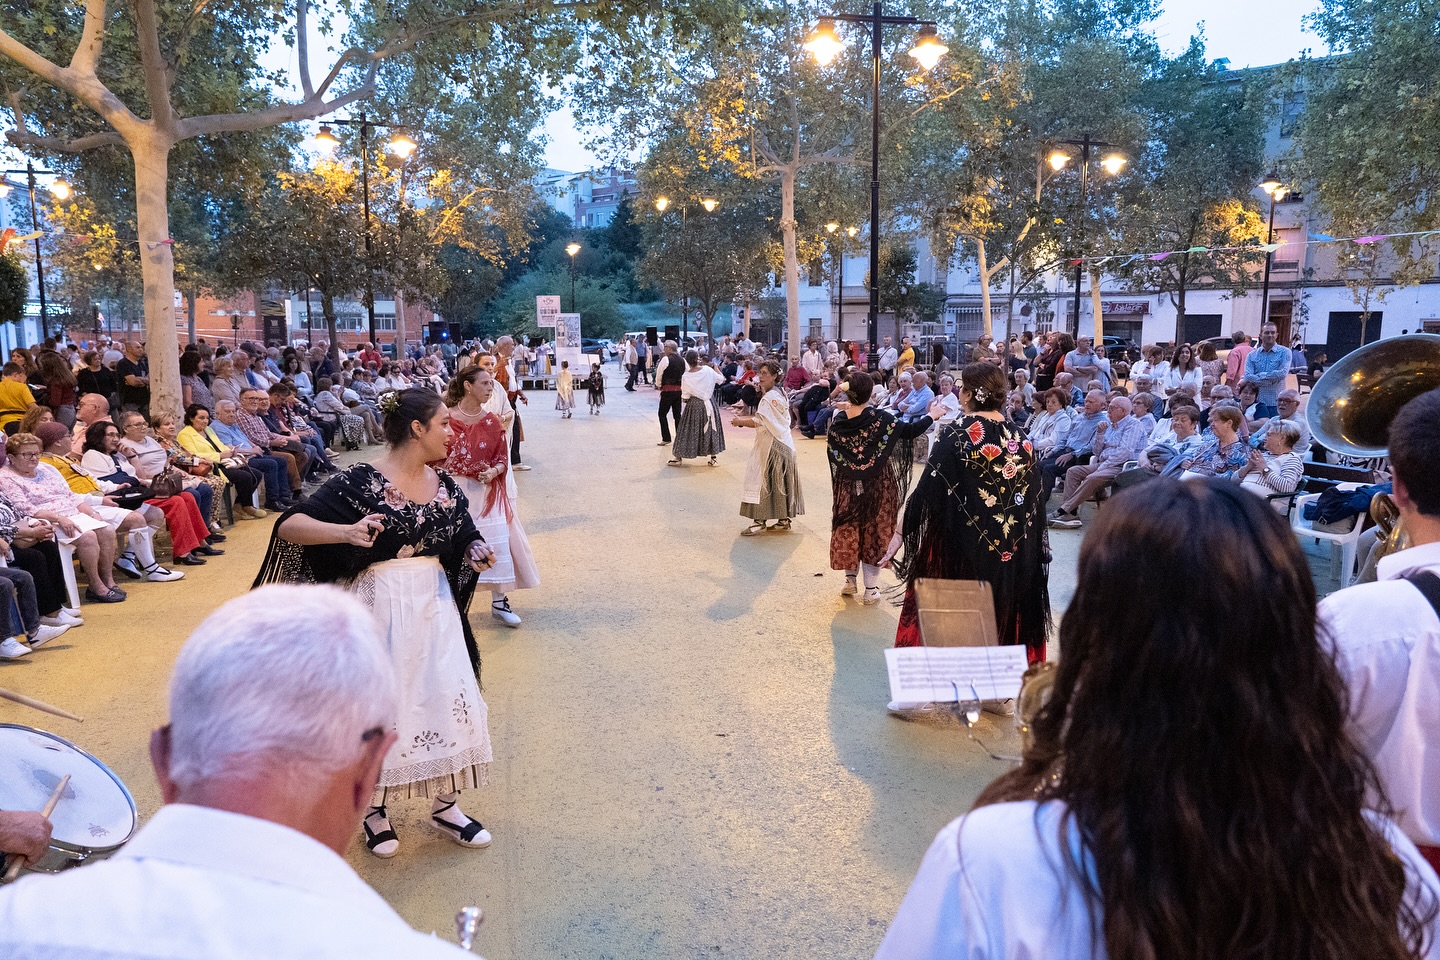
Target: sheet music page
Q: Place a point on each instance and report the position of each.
(930, 674)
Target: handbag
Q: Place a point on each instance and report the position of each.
(167, 484)
(200, 468)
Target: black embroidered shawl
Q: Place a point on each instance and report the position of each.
(867, 452)
(441, 528)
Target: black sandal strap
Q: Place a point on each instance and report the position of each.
(466, 833)
(373, 840)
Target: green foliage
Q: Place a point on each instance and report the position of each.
(900, 294)
(1367, 155)
(14, 289)
(597, 300)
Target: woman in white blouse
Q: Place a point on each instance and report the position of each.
(1191, 789)
(1183, 368)
(1051, 429)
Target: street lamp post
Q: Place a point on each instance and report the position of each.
(928, 49)
(709, 204)
(572, 249)
(1277, 192)
(402, 146)
(60, 189)
(1112, 163)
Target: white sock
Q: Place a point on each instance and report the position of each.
(450, 814)
(143, 546)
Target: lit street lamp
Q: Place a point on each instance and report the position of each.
(662, 203)
(1277, 191)
(572, 248)
(1112, 164)
(401, 146)
(60, 190)
(825, 44)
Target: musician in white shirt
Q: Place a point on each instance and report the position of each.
(1386, 637)
(1189, 790)
(267, 764)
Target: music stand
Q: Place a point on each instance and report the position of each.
(956, 613)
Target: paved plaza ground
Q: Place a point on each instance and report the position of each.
(692, 753)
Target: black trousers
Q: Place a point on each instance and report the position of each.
(515, 439)
(671, 402)
(246, 480)
(634, 372)
(42, 562)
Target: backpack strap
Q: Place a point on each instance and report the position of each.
(1429, 586)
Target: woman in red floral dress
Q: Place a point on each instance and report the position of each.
(976, 515)
(870, 459)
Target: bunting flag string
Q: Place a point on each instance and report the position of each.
(1267, 248)
(82, 237)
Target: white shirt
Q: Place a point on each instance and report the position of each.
(1387, 646)
(813, 363)
(197, 882)
(994, 885)
(888, 358)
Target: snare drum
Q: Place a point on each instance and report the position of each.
(96, 814)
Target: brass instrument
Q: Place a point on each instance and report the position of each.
(1353, 403)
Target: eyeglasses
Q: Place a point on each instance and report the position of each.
(28, 455)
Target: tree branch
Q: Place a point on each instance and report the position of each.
(92, 38)
(317, 106)
(157, 72)
(302, 46)
(78, 145)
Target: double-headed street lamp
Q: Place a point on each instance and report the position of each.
(401, 146)
(1112, 164)
(825, 44)
(709, 204)
(1277, 191)
(61, 191)
(572, 248)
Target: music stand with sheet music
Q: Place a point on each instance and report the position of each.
(955, 614)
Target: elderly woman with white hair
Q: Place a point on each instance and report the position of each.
(1276, 467)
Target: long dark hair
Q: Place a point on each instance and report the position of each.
(1199, 744)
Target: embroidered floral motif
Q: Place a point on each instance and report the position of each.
(394, 499)
(426, 740)
(976, 432)
(461, 710)
(405, 552)
(990, 451)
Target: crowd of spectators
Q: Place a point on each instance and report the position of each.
(87, 473)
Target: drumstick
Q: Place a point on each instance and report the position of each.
(13, 870)
(40, 705)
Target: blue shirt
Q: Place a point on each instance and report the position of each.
(915, 406)
(1268, 368)
(1122, 442)
(230, 434)
(1082, 431)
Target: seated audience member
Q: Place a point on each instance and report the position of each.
(1118, 440)
(32, 592)
(228, 383)
(197, 442)
(949, 397)
(1276, 468)
(1066, 381)
(15, 395)
(271, 410)
(103, 464)
(1220, 395)
(1288, 402)
(918, 400)
(149, 459)
(1023, 384)
(34, 549)
(288, 450)
(1223, 453)
(282, 478)
(1247, 395)
(193, 391)
(1386, 636)
(328, 407)
(267, 764)
(1179, 443)
(35, 416)
(1050, 430)
(287, 408)
(165, 430)
(1142, 407)
(91, 408)
(1259, 829)
(37, 490)
(1079, 446)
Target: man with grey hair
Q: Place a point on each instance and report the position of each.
(1289, 403)
(1118, 440)
(268, 761)
(667, 377)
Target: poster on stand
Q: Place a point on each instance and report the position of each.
(546, 310)
(567, 343)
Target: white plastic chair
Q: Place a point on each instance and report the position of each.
(67, 566)
(1347, 542)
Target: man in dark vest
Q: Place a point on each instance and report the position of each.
(667, 376)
